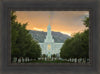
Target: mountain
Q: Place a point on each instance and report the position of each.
(40, 36)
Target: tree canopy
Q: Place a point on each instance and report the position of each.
(22, 43)
(78, 45)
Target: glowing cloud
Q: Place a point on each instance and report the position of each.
(66, 33)
(37, 29)
(67, 22)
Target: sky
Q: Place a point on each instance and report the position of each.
(66, 22)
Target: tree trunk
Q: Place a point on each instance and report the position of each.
(24, 59)
(17, 59)
(70, 59)
(77, 60)
(36, 58)
(82, 60)
(86, 60)
(27, 59)
(21, 59)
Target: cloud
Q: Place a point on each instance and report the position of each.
(62, 21)
(66, 33)
(37, 29)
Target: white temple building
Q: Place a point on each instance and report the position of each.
(49, 47)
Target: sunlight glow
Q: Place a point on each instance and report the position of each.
(66, 33)
(37, 29)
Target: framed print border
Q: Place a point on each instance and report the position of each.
(42, 5)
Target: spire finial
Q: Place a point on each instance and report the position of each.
(49, 19)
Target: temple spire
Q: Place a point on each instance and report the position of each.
(49, 35)
(49, 20)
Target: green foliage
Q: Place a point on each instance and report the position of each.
(86, 21)
(78, 45)
(23, 45)
(53, 55)
(13, 17)
(44, 55)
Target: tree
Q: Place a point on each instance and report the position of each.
(23, 45)
(78, 45)
(14, 34)
(53, 56)
(86, 21)
(44, 56)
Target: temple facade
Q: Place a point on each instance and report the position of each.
(49, 47)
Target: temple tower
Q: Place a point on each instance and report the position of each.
(48, 42)
(49, 36)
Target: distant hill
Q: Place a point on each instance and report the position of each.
(40, 36)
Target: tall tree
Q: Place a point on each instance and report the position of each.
(78, 45)
(22, 41)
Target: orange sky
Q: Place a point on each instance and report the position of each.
(68, 22)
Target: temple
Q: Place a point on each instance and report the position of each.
(49, 47)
